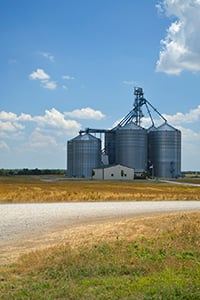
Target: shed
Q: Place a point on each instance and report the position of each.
(115, 172)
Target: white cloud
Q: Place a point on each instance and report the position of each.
(10, 122)
(10, 116)
(44, 78)
(56, 120)
(190, 135)
(24, 117)
(179, 118)
(39, 74)
(48, 55)
(85, 113)
(67, 77)
(181, 45)
(37, 139)
(10, 126)
(190, 148)
(51, 120)
(51, 85)
(51, 129)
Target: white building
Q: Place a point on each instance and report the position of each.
(117, 172)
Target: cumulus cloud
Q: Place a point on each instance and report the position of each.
(25, 117)
(39, 74)
(7, 116)
(10, 126)
(190, 135)
(51, 120)
(179, 118)
(44, 78)
(181, 45)
(10, 122)
(85, 113)
(10, 116)
(37, 139)
(56, 120)
(190, 148)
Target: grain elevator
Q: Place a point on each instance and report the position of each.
(155, 150)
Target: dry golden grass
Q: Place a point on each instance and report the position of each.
(152, 257)
(180, 227)
(33, 189)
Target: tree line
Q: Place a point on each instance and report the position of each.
(36, 171)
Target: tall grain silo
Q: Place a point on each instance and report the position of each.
(131, 147)
(150, 151)
(83, 155)
(164, 151)
(110, 145)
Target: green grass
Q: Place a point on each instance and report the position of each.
(164, 266)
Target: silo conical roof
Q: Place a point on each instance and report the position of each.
(85, 137)
(130, 126)
(166, 127)
(152, 128)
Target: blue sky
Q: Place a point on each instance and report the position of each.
(67, 65)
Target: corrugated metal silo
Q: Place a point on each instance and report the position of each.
(110, 145)
(131, 147)
(164, 147)
(70, 158)
(83, 155)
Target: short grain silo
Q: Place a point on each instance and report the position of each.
(83, 155)
(164, 151)
(131, 147)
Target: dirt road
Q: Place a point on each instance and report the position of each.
(25, 226)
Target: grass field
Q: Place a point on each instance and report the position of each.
(19, 189)
(155, 257)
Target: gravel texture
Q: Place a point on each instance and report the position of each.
(21, 220)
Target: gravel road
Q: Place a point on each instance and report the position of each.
(20, 220)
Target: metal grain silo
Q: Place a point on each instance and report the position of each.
(131, 147)
(164, 150)
(83, 155)
(110, 145)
